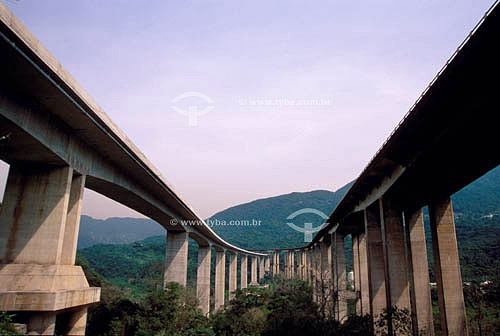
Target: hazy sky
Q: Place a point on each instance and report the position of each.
(367, 60)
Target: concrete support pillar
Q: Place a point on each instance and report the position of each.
(376, 264)
(317, 271)
(447, 268)
(267, 264)
(292, 264)
(261, 268)
(220, 278)
(326, 289)
(420, 293)
(299, 265)
(42, 323)
(309, 266)
(39, 222)
(340, 277)
(233, 269)
(394, 255)
(253, 272)
(77, 322)
(364, 285)
(33, 215)
(356, 272)
(244, 272)
(203, 278)
(176, 257)
(286, 261)
(72, 226)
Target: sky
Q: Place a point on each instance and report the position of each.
(298, 95)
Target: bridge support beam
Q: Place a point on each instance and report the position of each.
(220, 278)
(420, 293)
(176, 257)
(253, 272)
(356, 272)
(375, 261)
(244, 271)
(233, 269)
(394, 256)
(261, 268)
(364, 280)
(39, 221)
(447, 268)
(203, 278)
(326, 266)
(292, 264)
(339, 274)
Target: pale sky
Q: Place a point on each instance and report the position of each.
(369, 60)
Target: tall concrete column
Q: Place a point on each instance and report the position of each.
(292, 264)
(299, 265)
(233, 269)
(253, 272)
(308, 266)
(317, 272)
(220, 278)
(286, 260)
(267, 264)
(447, 268)
(356, 272)
(364, 286)
(277, 263)
(376, 264)
(203, 278)
(244, 271)
(326, 289)
(420, 293)
(261, 268)
(176, 258)
(72, 225)
(340, 276)
(394, 255)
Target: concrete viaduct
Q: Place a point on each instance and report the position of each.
(58, 141)
(448, 139)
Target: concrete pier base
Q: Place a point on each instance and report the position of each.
(253, 271)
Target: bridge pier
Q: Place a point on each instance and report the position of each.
(261, 268)
(244, 271)
(233, 270)
(220, 277)
(447, 268)
(292, 264)
(421, 305)
(39, 222)
(375, 260)
(326, 289)
(339, 274)
(394, 256)
(356, 271)
(203, 278)
(253, 272)
(176, 257)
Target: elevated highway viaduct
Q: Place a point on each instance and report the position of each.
(448, 139)
(58, 141)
